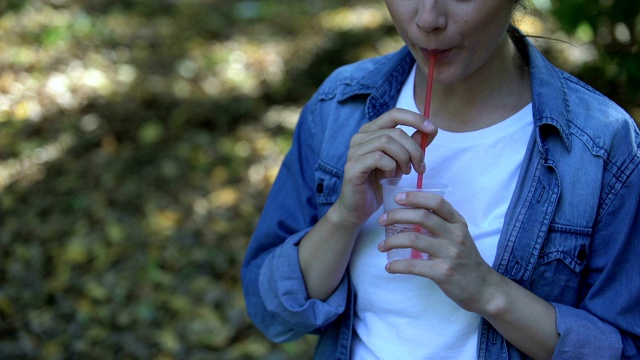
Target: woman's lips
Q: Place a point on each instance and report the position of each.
(439, 54)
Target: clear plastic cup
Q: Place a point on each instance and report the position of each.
(391, 187)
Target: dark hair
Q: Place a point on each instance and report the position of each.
(519, 41)
(516, 36)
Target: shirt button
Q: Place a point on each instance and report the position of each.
(582, 254)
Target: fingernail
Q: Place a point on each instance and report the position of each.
(382, 219)
(423, 167)
(401, 197)
(381, 245)
(428, 125)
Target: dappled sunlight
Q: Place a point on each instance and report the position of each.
(280, 115)
(70, 71)
(29, 167)
(163, 222)
(73, 70)
(355, 18)
(224, 197)
(240, 65)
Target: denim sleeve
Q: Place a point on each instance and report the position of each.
(284, 295)
(272, 281)
(606, 325)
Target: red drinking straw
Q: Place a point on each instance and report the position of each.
(427, 110)
(415, 254)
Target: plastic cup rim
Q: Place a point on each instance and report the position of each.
(428, 185)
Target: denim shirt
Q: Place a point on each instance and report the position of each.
(571, 233)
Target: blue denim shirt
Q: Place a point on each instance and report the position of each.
(571, 234)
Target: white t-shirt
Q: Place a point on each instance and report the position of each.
(409, 317)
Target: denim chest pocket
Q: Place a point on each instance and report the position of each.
(557, 272)
(328, 184)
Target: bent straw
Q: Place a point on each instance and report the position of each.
(415, 254)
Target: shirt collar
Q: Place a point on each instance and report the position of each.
(550, 101)
(383, 79)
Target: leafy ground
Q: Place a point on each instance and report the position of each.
(138, 140)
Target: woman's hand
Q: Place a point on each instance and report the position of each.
(454, 264)
(380, 150)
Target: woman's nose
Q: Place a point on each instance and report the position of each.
(431, 15)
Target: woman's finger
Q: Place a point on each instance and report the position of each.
(429, 220)
(415, 240)
(399, 148)
(360, 167)
(432, 202)
(397, 116)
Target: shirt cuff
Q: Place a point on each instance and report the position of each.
(284, 292)
(583, 336)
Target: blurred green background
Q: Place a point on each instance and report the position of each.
(139, 138)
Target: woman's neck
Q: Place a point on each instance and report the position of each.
(493, 93)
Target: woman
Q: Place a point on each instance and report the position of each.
(533, 252)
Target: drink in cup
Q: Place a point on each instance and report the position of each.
(391, 187)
